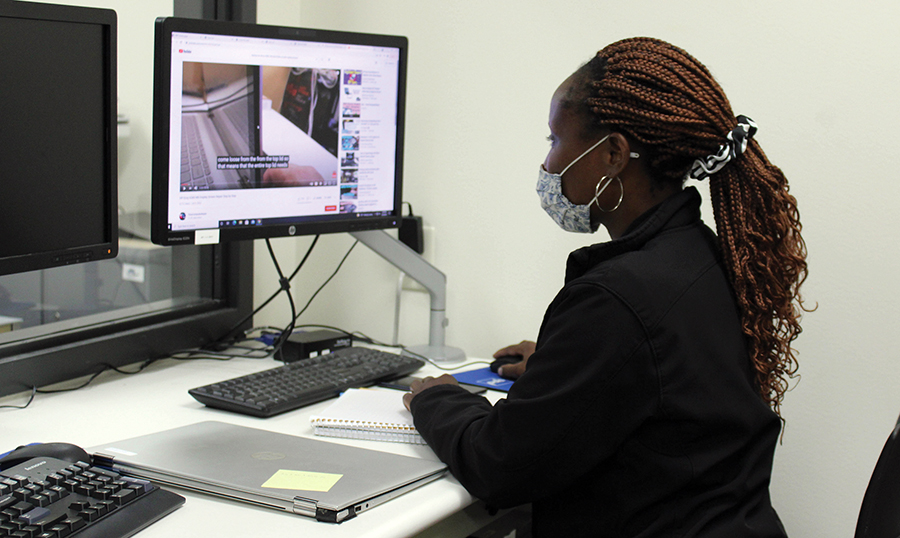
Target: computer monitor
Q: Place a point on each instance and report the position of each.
(265, 131)
(57, 135)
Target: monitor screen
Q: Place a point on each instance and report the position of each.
(57, 135)
(265, 131)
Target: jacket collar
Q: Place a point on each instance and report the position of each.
(680, 209)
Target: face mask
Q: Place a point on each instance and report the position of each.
(570, 217)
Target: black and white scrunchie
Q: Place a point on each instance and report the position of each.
(737, 142)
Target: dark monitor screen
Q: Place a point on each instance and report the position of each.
(57, 135)
(265, 131)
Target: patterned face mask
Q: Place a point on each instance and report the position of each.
(570, 217)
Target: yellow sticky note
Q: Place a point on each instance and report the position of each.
(305, 480)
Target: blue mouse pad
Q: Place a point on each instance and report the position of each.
(484, 378)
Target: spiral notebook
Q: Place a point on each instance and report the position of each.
(372, 414)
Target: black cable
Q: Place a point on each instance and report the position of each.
(285, 287)
(105, 368)
(230, 336)
(274, 295)
(199, 354)
(30, 399)
(328, 280)
(196, 353)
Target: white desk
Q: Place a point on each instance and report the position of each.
(116, 407)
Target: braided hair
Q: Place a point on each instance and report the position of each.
(668, 103)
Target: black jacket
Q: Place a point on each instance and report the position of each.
(638, 414)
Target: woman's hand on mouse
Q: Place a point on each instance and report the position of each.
(525, 348)
(419, 385)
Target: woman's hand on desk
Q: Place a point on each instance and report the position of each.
(426, 383)
(525, 349)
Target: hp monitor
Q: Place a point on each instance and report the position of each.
(265, 131)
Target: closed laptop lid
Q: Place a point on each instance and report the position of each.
(328, 481)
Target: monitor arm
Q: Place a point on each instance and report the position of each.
(407, 260)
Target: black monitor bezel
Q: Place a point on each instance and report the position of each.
(108, 248)
(165, 27)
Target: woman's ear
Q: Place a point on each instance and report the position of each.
(618, 153)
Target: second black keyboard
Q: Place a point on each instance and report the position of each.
(305, 382)
(50, 498)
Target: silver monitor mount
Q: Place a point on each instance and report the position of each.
(416, 267)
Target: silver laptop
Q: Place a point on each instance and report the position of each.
(319, 479)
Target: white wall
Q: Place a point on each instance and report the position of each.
(821, 81)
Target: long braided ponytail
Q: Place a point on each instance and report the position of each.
(669, 103)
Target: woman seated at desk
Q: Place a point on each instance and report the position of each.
(649, 405)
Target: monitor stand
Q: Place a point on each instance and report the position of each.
(416, 267)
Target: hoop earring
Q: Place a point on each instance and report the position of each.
(598, 190)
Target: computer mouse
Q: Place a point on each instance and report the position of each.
(61, 451)
(506, 359)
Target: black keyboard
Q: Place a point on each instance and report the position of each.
(304, 382)
(51, 498)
